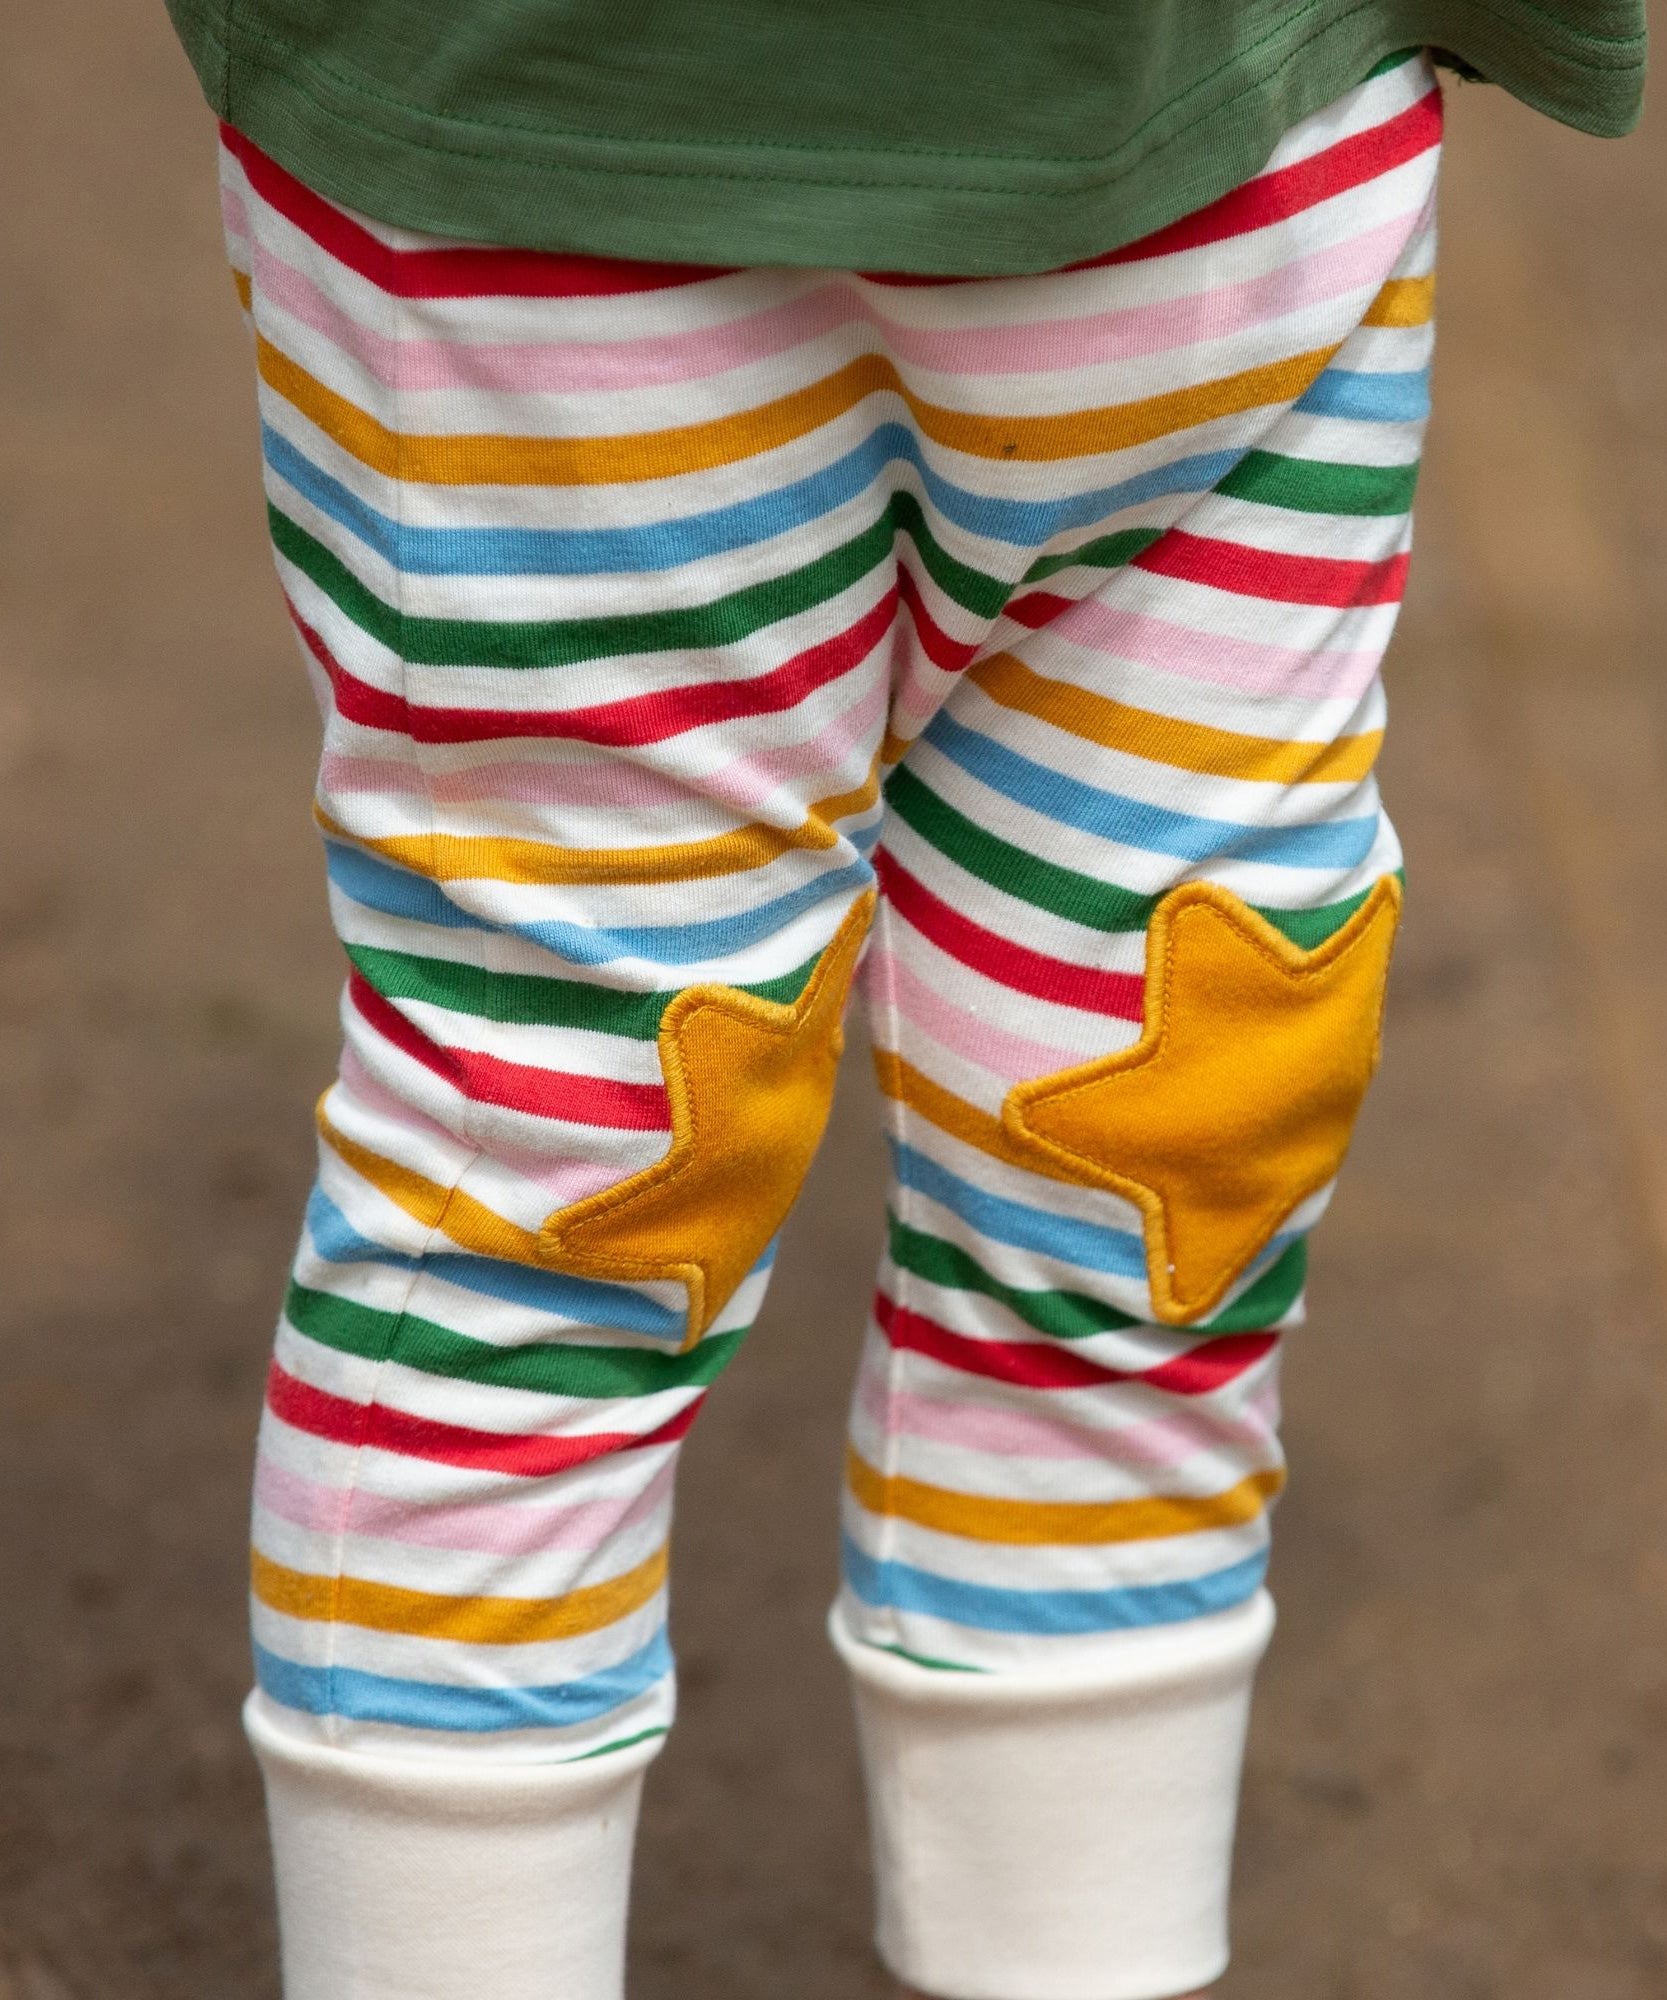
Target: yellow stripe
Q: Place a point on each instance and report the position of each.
(1403, 302)
(448, 857)
(847, 805)
(981, 1518)
(475, 1621)
(487, 460)
(245, 291)
(1186, 746)
(468, 1223)
(904, 1084)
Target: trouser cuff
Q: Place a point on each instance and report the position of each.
(403, 1878)
(1043, 1835)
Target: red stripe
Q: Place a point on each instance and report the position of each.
(1036, 608)
(1289, 190)
(1037, 1364)
(545, 1093)
(451, 274)
(1269, 574)
(1119, 994)
(375, 1425)
(943, 651)
(477, 272)
(1273, 197)
(639, 719)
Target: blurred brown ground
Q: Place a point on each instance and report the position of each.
(1458, 1780)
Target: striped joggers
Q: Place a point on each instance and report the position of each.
(695, 647)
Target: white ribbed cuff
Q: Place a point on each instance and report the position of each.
(404, 1878)
(1041, 1835)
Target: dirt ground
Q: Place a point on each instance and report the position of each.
(1458, 1778)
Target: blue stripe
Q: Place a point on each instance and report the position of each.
(664, 545)
(434, 1705)
(396, 892)
(1086, 1244)
(1397, 397)
(897, 1586)
(584, 1300)
(1338, 843)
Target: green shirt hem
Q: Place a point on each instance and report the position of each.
(927, 212)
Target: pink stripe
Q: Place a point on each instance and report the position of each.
(500, 1526)
(1156, 1444)
(923, 685)
(1028, 348)
(924, 689)
(523, 780)
(746, 783)
(926, 662)
(1165, 326)
(542, 367)
(1011, 1058)
(615, 785)
(1246, 665)
(931, 666)
(563, 1181)
(749, 781)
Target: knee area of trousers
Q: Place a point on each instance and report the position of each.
(749, 1085)
(1235, 1107)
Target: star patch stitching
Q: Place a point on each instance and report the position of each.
(1239, 1099)
(749, 1084)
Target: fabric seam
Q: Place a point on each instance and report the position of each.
(390, 1348)
(887, 1539)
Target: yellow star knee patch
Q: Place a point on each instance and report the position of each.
(1238, 1100)
(749, 1084)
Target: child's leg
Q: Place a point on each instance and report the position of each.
(597, 789)
(603, 574)
(1152, 805)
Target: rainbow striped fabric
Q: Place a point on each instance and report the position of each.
(658, 616)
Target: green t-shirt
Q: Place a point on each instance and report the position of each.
(962, 136)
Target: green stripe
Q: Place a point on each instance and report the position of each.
(1396, 61)
(1304, 485)
(1068, 1315)
(1073, 1315)
(552, 642)
(1064, 892)
(547, 1367)
(1307, 928)
(1102, 906)
(1317, 486)
(528, 1000)
(1270, 1298)
(971, 588)
(923, 1660)
(624, 1743)
(1106, 552)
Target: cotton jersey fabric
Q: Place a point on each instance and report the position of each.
(954, 136)
(679, 634)
(624, 594)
